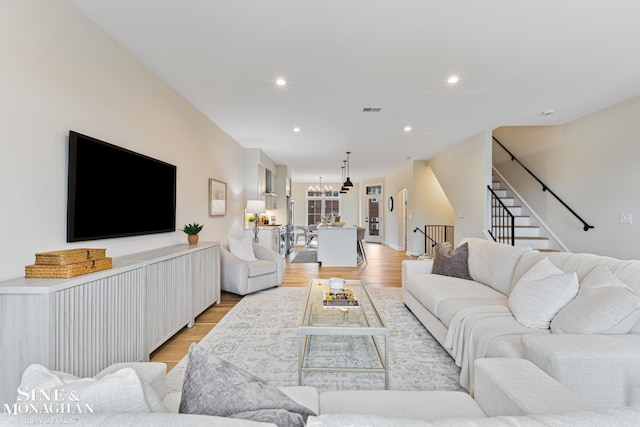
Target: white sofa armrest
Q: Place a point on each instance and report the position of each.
(518, 387)
(234, 272)
(268, 255)
(415, 266)
(602, 369)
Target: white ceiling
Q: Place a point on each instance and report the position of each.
(515, 59)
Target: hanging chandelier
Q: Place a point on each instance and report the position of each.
(347, 182)
(319, 190)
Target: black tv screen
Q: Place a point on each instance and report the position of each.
(115, 192)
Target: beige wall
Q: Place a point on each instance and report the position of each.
(402, 178)
(427, 204)
(58, 72)
(592, 164)
(464, 172)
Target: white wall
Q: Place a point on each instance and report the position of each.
(427, 204)
(402, 178)
(464, 172)
(60, 72)
(592, 164)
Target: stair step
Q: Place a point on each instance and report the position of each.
(521, 220)
(534, 242)
(515, 211)
(523, 230)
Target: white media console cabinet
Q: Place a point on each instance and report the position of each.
(84, 324)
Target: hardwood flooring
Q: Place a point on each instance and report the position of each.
(384, 269)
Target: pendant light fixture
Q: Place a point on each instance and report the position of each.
(347, 182)
(344, 189)
(344, 175)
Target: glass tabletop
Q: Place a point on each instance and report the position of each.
(345, 337)
(361, 314)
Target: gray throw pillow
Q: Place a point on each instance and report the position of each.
(213, 386)
(452, 263)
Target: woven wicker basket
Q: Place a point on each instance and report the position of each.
(44, 271)
(69, 256)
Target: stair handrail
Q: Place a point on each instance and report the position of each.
(511, 218)
(444, 231)
(426, 236)
(586, 225)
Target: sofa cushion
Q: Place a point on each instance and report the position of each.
(541, 293)
(213, 386)
(432, 289)
(421, 405)
(452, 263)
(259, 267)
(604, 305)
(243, 248)
(450, 306)
(618, 417)
(152, 373)
(604, 370)
(505, 346)
(627, 271)
(121, 391)
(493, 263)
(518, 387)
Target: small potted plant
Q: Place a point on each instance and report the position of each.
(192, 231)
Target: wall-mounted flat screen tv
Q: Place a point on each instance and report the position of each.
(115, 192)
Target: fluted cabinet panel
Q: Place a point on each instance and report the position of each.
(99, 323)
(168, 299)
(84, 324)
(205, 280)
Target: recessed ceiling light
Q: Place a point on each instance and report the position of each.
(281, 82)
(548, 112)
(453, 80)
(296, 129)
(407, 128)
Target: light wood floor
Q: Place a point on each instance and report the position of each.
(384, 269)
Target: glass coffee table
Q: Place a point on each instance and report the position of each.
(352, 339)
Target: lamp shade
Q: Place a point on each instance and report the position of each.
(256, 206)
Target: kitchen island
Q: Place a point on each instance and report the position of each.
(337, 246)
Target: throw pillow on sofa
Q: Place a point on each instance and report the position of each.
(451, 263)
(243, 249)
(604, 305)
(120, 392)
(213, 386)
(541, 293)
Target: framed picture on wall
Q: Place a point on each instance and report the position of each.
(217, 197)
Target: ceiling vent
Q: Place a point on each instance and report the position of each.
(371, 109)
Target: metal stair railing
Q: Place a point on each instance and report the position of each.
(585, 225)
(503, 222)
(435, 234)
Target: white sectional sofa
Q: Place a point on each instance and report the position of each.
(509, 392)
(472, 319)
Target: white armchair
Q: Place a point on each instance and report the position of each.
(244, 277)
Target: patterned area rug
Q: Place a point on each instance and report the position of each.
(260, 334)
(306, 256)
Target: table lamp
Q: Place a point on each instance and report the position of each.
(256, 207)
